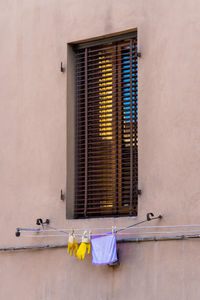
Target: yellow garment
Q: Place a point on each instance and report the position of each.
(82, 250)
(72, 247)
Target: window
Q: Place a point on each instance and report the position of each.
(106, 158)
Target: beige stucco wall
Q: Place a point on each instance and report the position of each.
(33, 100)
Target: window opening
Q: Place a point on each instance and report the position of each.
(106, 129)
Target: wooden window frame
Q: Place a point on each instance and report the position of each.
(119, 209)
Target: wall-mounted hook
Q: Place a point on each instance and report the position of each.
(62, 195)
(40, 222)
(149, 215)
(17, 233)
(62, 69)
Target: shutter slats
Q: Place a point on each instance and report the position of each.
(97, 67)
(106, 130)
(104, 83)
(100, 60)
(107, 47)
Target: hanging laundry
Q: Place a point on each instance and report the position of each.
(104, 249)
(72, 245)
(84, 246)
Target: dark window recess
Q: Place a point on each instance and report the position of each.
(106, 129)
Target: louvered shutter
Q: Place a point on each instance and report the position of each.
(106, 129)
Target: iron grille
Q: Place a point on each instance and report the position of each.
(106, 129)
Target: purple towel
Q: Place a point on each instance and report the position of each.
(104, 249)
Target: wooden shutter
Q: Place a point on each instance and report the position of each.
(106, 129)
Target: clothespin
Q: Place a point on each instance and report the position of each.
(86, 237)
(71, 237)
(113, 230)
(72, 244)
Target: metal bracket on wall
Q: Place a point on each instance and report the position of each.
(62, 195)
(62, 69)
(150, 216)
(40, 222)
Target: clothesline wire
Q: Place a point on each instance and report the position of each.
(130, 226)
(57, 229)
(138, 227)
(139, 233)
(118, 230)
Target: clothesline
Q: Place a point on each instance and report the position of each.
(118, 230)
(103, 244)
(149, 217)
(104, 228)
(124, 233)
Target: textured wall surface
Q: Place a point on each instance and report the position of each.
(33, 101)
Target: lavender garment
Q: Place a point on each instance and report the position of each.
(104, 249)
